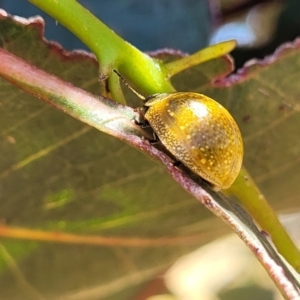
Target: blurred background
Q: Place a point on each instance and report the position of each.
(259, 26)
(189, 25)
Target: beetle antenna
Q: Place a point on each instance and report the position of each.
(130, 87)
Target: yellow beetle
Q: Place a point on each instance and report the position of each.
(200, 133)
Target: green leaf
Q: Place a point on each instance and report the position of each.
(59, 175)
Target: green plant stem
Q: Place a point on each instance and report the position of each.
(199, 57)
(256, 204)
(111, 51)
(115, 89)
